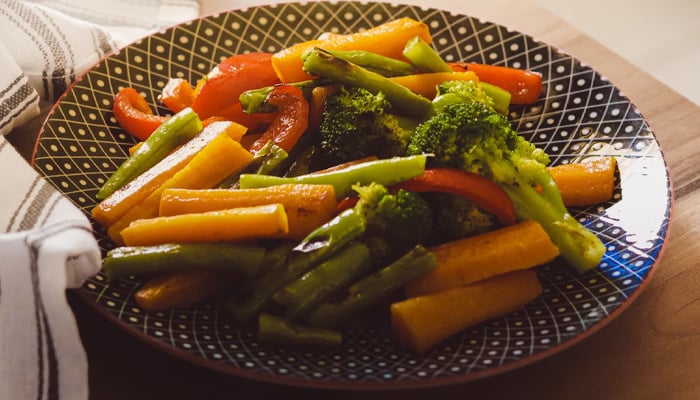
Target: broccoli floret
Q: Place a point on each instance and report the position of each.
(456, 217)
(358, 124)
(394, 222)
(472, 136)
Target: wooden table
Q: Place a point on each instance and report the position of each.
(651, 351)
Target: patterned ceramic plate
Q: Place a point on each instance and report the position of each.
(581, 115)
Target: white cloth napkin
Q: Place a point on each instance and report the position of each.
(46, 243)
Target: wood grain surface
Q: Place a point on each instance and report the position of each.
(650, 351)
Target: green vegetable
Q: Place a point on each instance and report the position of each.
(394, 222)
(455, 217)
(336, 273)
(286, 265)
(274, 329)
(386, 172)
(175, 131)
(322, 63)
(424, 57)
(385, 66)
(357, 123)
(362, 295)
(123, 261)
(267, 160)
(254, 100)
(471, 135)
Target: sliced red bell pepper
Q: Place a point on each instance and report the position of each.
(482, 191)
(177, 94)
(133, 113)
(256, 122)
(291, 120)
(225, 83)
(524, 86)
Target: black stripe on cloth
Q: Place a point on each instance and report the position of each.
(47, 361)
(23, 97)
(38, 205)
(58, 73)
(26, 197)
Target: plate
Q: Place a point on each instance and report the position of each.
(581, 115)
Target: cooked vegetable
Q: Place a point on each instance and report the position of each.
(182, 127)
(369, 291)
(482, 191)
(220, 158)
(109, 210)
(387, 39)
(425, 58)
(421, 322)
(234, 224)
(290, 264)
(386, 172)
(585, 183)
(426, 84)
(307, 206)
(385, 66)
(322, 281)
(320, 62)
(524, 86)
(274, 329)
(461, 262)
(241, 259)
(177, 94)
(177, 289)
(356, 124)
(134, 114)
(394, 222)
(472, 136)
(456, 217)
(291, 120)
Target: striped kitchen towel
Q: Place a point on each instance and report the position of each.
(46, 242)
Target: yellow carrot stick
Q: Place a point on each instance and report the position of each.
(421, 322)
(108, 211)
(388, 39)
(585, 183)
(307, 206)
(219, 159)
(461, 262)
(229, 225)
(426, 84)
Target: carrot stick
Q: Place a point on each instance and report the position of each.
(307, 206)
(233, 224)
(219, 159)
(111, 209)
(388, 39)
(464, 261)
(422, 322)
(181, 288)
(585, 183)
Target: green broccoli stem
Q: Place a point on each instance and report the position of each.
(328, 277)
(284, 265)
(578, 246)
(274, 329)
(322, 63)
(385, 171)
(385, 66)
(424, 57)
(368, 291)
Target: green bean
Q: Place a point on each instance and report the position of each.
(385, 66)
(424, 57)
(175, 131)
(274, 329)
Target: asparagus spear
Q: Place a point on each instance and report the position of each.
(385, 66)
(372, 289)
(274, 329)
(425, 58)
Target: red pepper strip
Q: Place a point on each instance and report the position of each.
(225, 83)
(483, 192)
(524, 86)
(291, 121)
(256, 122)
(134, 115)
(177, 94)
